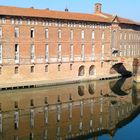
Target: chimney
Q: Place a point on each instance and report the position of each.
(66, 9)
(98, 8)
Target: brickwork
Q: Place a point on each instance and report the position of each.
(19, 54)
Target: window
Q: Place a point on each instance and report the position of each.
(16, 70)
(125, 36)
(92, 55)
(71, 34)
(128, 53)
(93, 35)
(0, 53)
(16, 32)
(103, 35)
(47, 53)
(32, 53)
(59, 51)
(0, 70)
(0, 32)
(71, 53)
(71, 66)
(124, 51)
(32, 34)
(59, 34)
(82, 52)
(12, 21)
(114, 39)
(82, 34)
(46, 68)
(102, 52)
(121, 50)
(46, 33)
(16, 53)
(129, 36)
(3, 20)
(59, 66)
(32, 69)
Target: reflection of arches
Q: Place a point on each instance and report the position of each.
(92, 70)
(91, 88)
(81, 90)
(81, 71)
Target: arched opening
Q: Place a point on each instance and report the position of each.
(92, 70)
(120, 68)
(81, 71)
(81, 90)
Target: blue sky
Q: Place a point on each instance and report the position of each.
(124, 8)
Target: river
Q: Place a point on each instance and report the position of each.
(97, 110)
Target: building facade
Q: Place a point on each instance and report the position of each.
(51, 46)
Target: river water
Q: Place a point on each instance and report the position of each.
(97, 110)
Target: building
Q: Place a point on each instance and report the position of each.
(52, 47)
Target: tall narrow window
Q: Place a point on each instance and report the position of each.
(0, 32)
(47, 53)
(128, 54)
(3, 20)
(59, 34)
(0, 53)
(16, 32)
(125, 36)
(102, 52)
(71, 66)
(114, 40)
(0, 70)
(93, 35)
(32, 34)
(59, 52)
(46, 68)
(16, 53)
(32, 69)
(59, 66)
(124, 51)
(32, 53)
(71, 34)
(103, 35)
(82, 34)
(120, 36)
(121, 50)
(92, 56)
(71, 53)
(16, 70)
(46, 33)
(82, 52)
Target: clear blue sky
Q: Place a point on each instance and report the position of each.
(124, 8)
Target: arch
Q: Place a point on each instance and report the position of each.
(92, 70)
(81, 71)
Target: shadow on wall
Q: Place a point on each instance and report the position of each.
(120, 68)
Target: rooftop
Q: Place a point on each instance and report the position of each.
(98, 16)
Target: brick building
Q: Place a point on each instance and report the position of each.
(51, 46)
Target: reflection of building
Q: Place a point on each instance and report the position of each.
(68, 120)
(65, 111)
(51, 46)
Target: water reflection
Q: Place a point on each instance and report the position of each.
(79, 111)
